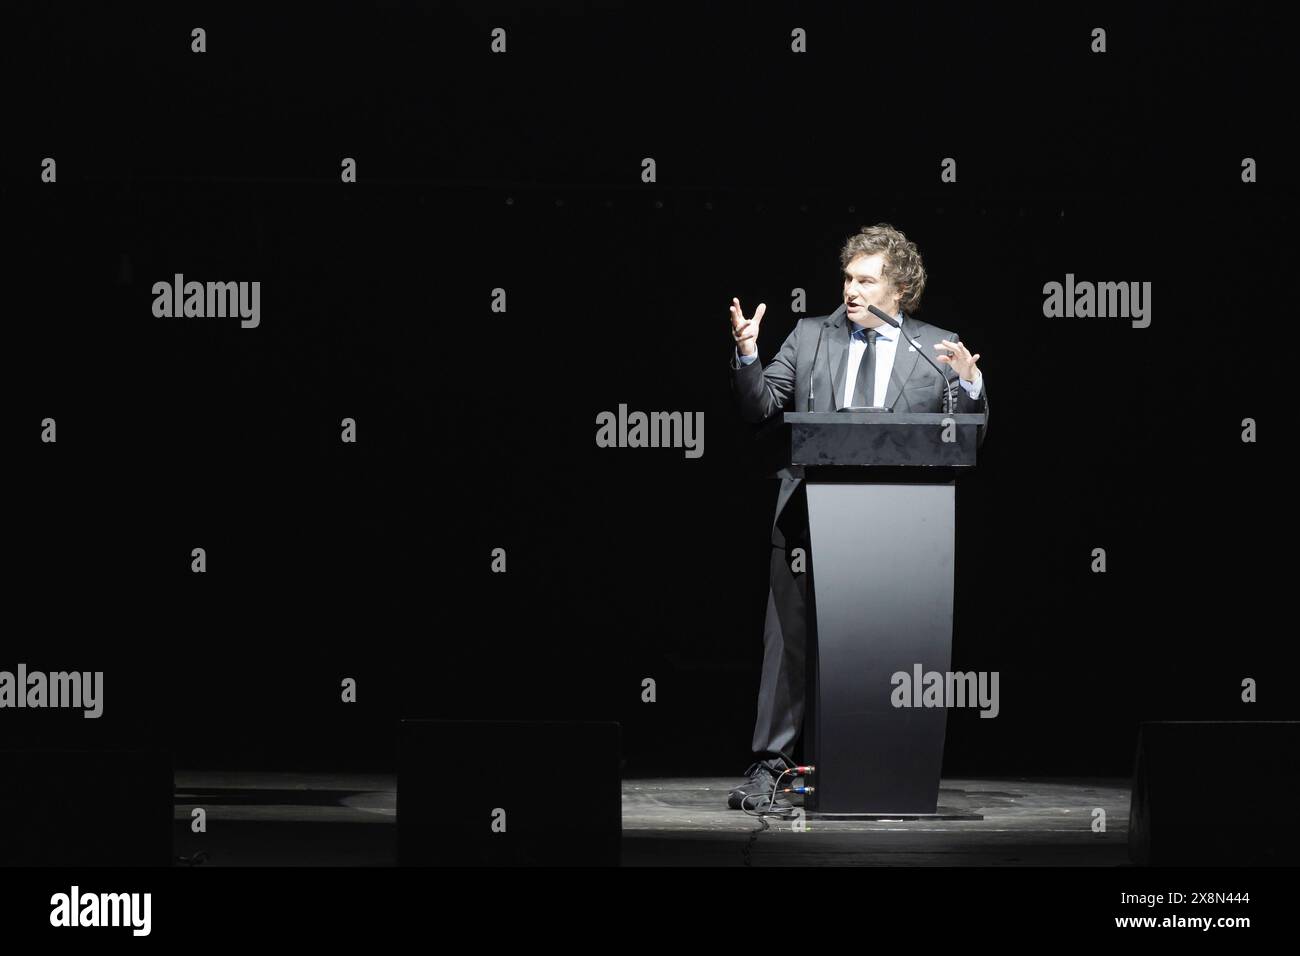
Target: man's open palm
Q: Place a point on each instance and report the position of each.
(743, 330)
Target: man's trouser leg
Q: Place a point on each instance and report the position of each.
(782, 690)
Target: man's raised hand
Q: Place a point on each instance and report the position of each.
(959, 358)
(743, 330)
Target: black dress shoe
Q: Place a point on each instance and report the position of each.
(756, 792)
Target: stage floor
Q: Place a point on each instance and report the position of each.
(323, 819)
(1026, 822)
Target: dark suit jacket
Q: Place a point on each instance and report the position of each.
(782, 385)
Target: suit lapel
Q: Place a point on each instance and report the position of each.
(837, 353)
(904, 362)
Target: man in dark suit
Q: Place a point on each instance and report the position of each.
(848, 358)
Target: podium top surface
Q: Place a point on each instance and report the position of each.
(849, 444)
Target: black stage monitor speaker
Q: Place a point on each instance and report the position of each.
(1212, 793)
(509, 793)
(76, 808)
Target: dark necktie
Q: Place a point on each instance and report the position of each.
(864, 388)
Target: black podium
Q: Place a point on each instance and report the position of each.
(882, 523)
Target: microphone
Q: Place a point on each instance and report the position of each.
(889, 319)
(813, 372)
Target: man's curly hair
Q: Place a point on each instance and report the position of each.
(903, 266)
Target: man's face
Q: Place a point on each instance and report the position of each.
(865, 284)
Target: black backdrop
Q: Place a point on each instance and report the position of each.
(477, 430)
